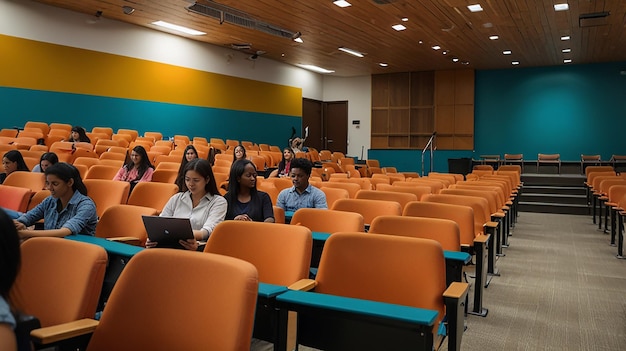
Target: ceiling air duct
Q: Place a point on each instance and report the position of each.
(226, 14)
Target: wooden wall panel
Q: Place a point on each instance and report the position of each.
(464, 119)
(444, 119)
(380, 90)
(444, 87)
(464, 87)
(399, 89)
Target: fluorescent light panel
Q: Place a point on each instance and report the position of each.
(561, 7)
(455, 60)
(436, 47)
(398, 27)
(567, 61)
(565, 51)
(382, 64)
(315, 68)
(494, 37)
(299, 40)
(404, 19)
(475, 8)
(351, 52)
(515, 63)
(506, 52)
(178, 28)
(342, 3)
(565, 37)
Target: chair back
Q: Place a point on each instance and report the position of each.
(280, 252)
(59, 280)
(165, 176)
(152, 194)
(279, 215)
(480, 207)
(124, 220)
(14, 198)
(100, 171)
(106, 193)
(590, 169)
(352, 188)
(444, 231)
(334, 194)
(144, 309)
(37, 198)
(369, 209)
(328, 221)
(417, 190)
(30, 180)
(463, 216)
(401, 198)
(384, 268)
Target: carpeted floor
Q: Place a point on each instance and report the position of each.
(561, 288)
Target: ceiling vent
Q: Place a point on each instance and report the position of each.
(226, 14)
(593, 19)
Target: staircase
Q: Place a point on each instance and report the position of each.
(553, 193)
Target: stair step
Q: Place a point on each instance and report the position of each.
(548, 207)
(545, 189)
(554, 198)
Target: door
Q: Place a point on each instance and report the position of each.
(335, 124)
(312, 118)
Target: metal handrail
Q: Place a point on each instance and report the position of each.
(429, 144)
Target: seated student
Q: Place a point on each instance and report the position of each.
(9, 267)
(138, 169)
(47, 159)
(68, 209)
(245, 202)
(190, 154)
(302, 194)
(239, 153)
(12, 161)
(200, 202)
(79, 135)
(285, 164)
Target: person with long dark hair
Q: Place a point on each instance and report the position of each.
(285, 164)
(12, 161)
(47, 159)
(68, 209)
(79, 135)
(239, 153)
(200, 202)
(138, 169)
(9, 267)
(190, 154)
(245, 202)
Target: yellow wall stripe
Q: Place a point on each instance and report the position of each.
(36, 65)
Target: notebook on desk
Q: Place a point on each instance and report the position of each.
(167, 231)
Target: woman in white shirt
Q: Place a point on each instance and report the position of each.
(200, 202)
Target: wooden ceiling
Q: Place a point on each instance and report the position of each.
(531, 29)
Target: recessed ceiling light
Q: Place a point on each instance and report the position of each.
(465, 63)
(567, 61)
(178, 28)
(561, 7)
(455, 59)
(565, 37)
(404, 19)
(436, 47)
(398, 27)
(444, 52)
(315, 68)
(515, 63)
(342, 3)
(299, 40)
(382, 64)
(494, 37)
(420, 42)
(506, 52)
(566, 50)
(475, 8)
(351, 52)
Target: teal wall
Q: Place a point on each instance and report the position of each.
(570, 110)
(22, 105)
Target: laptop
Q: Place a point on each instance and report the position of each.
(167, 231)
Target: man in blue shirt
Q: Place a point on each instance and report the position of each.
(302, 194)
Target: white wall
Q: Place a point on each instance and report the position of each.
(358, 92)
(35, 21)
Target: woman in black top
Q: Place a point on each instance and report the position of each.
(79, 134)
(12, 161)
(245, 202)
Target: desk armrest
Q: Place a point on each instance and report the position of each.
(456, 290)
(64, 331)
(349, 305)
(130, 240)
(303, 285)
